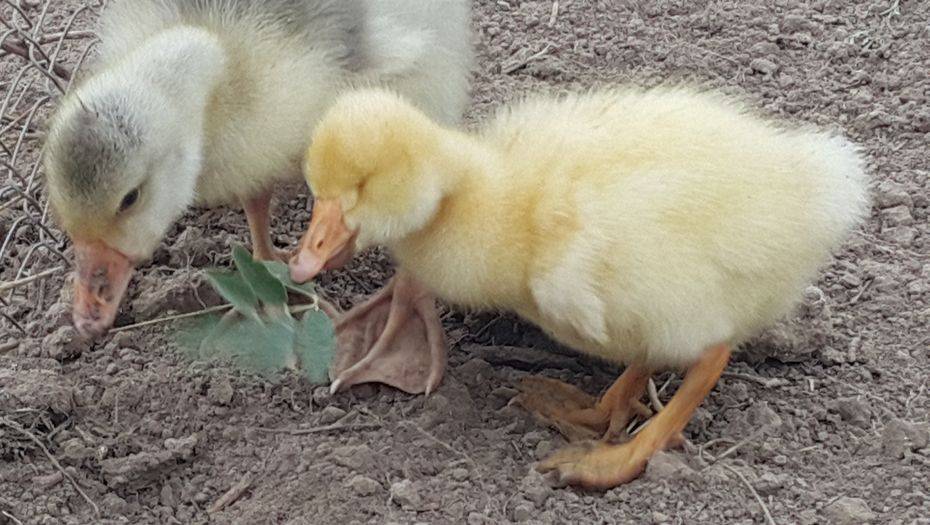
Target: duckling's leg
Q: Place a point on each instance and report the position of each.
(599, 465)
(258, 214)
(576, 414)
(409, 350)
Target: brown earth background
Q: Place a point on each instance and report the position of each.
(823, 419)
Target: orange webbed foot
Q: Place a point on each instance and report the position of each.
(395, 338)
(596, 464)
(577, 415)
(602, 465)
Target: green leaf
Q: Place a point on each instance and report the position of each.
(315, 344)
(263, 348)
(266, 286)
(281, 272)
(234, 289)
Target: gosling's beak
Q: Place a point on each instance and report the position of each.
(100, 281)
(328, 243)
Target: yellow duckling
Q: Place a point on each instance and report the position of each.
(657, 228)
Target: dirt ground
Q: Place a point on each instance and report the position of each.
(823, 419)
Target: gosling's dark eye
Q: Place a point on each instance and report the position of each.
(129, 200)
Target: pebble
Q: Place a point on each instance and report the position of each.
(897, 216)
(889, 194)
(543, 448)
(901, 436)
(523, 511)
(406, 495)
(363, 485)
(322, 397)
(535, 488)
(459, 474)
(763, 65)
(357, 457)
(64, 343)
(220, 391)
(854, 411)
(331, 414)
(475, 518)
(849, 511)
(668, 466)
(901, 235)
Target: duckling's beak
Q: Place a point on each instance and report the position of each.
(328, 243)
(100, 281)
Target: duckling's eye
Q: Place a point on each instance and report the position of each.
(129, 200)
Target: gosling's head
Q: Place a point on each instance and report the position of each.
(121, 167)
(371, 173)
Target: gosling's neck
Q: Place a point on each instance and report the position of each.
(473, 252)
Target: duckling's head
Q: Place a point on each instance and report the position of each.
(370, 168)
(120, 169)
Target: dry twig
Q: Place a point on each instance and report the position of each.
(335, 427)
(26, 280)
(232, 495)
(759, 500)
(15, 426)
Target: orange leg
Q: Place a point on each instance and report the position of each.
(576, 415)
(603, 466)
(395, 338)
(258, 214)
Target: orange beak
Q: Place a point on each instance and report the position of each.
(100, 281)
(328, 243)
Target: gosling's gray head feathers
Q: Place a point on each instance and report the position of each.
(91, 144)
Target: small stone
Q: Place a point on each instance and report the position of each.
(901, 235)
(831, 356)
(543, 449)
(322, 397)
(48, 481)
(769, 483)
(112, 369)
(897, 216)
(761, 415)
(220, 391)
(523, 511)
(475, 518)
(363, 485)
(854, 411)
(764, 66)
(889, 194)
(849, 511)
(901, 436)
(850, 280)
(75, 449)
(459, 474)
(793, 23)
(359, 457)
(535, 488)
(476, 371)
(114, 505)
(763, 49)
(406, 495)
(668, 466)
(168, 497)
(331, 414)
(64, 343)
(659, 517)
(780, 460)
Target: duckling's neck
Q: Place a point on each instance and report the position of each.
(470, 253)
